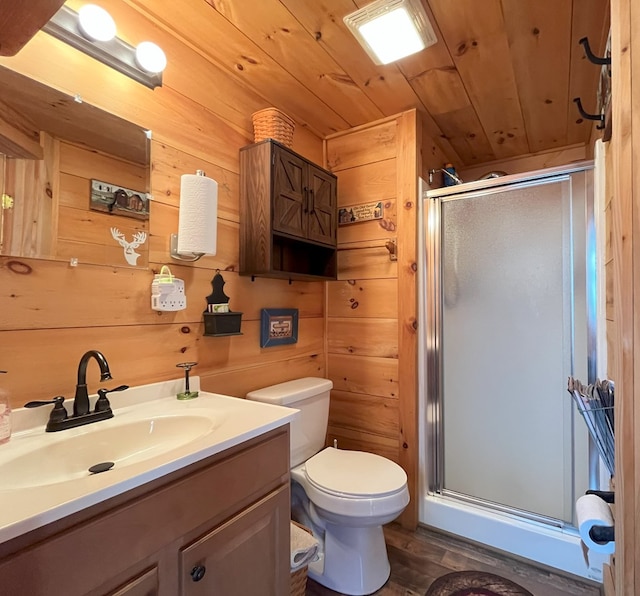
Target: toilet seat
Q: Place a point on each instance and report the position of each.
(354, 474)
(353, 484)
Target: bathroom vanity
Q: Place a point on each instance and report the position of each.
(217, 525)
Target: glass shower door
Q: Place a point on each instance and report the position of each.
(512, 328)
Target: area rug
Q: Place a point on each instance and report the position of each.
(475, 583)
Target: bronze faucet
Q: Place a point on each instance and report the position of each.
(81, 400)
(59, 418)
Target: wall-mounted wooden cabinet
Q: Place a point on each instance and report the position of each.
(288, 214)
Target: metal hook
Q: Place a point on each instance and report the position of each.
(590, 55)
(392, 247)
(447, 173)
(584, 114)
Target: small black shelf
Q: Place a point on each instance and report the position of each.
(220, 324)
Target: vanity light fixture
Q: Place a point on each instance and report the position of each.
(391, 29)
(92, 31)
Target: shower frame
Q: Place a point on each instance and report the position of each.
(430, 366)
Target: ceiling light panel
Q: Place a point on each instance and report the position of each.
(389, 30)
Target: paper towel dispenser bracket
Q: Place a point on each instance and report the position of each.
(194, 256)
(608, 496)
(602, 534)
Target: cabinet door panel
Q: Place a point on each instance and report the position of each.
(289, 196)
(247, 555)
(322, 206)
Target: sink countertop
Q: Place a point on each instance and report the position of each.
(230, 421)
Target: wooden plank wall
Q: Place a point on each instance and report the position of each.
(611, 332)
(530, 162)
(362, 307)
(51, 313)
(372, 308)
(625, 287)
(27, 226)
(608, 570)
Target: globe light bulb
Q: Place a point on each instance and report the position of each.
(96, 23)
(150, 57)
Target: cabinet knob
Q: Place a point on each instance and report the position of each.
(197, 573)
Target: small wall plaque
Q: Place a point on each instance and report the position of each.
(278, 326)
(119, 200)
(356, 213)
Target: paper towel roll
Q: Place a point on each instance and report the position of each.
(198, 218)
(593, 511)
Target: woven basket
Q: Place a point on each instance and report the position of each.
(299, 577)
(271, 123)
(299, 582)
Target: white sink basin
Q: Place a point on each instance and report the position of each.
(64, 457)
(45, 476)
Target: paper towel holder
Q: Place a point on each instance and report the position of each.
(173, 249)
(602, 534)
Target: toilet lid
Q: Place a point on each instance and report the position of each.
(354, 473)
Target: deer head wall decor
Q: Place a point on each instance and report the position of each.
(139, 238)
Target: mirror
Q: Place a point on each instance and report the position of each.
(74, 179)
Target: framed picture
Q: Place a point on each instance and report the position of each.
(278, 326)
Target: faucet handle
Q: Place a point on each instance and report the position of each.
(187, 393)
(103, 403)
(187, 366)
(58, 413)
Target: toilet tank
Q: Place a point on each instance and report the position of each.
(310, 395)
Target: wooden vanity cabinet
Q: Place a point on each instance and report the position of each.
(220, 526)
(143, 585)
(288, 214)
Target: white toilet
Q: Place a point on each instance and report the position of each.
(343, 496)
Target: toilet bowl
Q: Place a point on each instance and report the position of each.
(343, 496)
(349, 496)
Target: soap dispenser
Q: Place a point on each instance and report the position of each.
(5, 416)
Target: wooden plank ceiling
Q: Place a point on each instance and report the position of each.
(498, 83)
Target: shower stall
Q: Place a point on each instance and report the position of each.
(508, 313)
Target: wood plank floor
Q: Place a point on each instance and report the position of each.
(418, 558)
